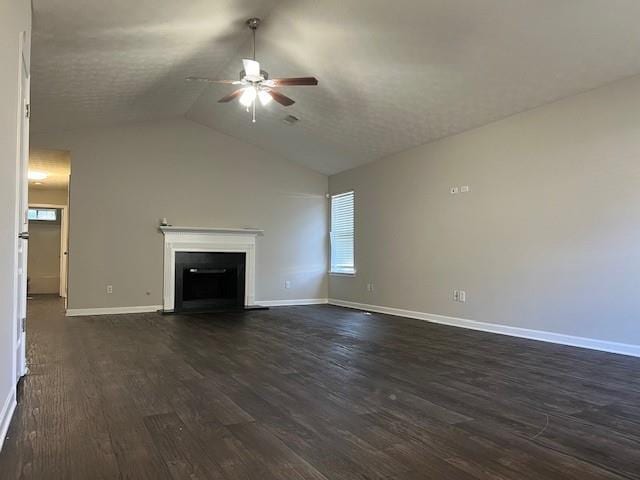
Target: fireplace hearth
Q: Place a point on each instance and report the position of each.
(209, 281)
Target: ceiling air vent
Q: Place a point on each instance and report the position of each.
(290, 120)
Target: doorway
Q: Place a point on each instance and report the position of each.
(47, 260)
(48, 216)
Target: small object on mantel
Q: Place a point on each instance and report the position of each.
(163, 222)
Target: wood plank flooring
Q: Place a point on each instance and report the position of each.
(317, 392)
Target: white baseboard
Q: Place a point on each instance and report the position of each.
(6, 414)
(541, 335)
(76, 312)
(287, 303)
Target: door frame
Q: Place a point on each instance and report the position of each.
(21, 222)
(64, 243)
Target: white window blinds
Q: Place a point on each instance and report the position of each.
(342, 258)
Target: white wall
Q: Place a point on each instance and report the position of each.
(15, 17)
(548, 239)
(126, 178)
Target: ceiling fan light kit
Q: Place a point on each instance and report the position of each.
(256, 85)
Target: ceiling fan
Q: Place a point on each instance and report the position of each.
(256, 84)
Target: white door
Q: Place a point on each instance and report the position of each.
(22, 211)
(64, 254)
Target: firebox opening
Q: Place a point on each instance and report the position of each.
(209, 280)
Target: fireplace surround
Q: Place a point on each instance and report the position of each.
(179, 240)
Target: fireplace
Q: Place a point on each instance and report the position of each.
(209, 280)
(190, 247)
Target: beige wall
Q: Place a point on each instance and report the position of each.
(548, 238)
(15, 17)
(51, 196)
(44, 257)
(126, 178)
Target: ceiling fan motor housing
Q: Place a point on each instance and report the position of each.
(263, 73)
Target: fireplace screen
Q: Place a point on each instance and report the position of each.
(209, 280)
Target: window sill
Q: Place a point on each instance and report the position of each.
(343, 274)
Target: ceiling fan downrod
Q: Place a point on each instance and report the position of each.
(253, 24)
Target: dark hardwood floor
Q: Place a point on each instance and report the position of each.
(316, 392)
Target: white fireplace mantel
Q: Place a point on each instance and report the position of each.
(243, 231)
(208, 239)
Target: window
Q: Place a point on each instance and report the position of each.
(342, 258)
(45, 214)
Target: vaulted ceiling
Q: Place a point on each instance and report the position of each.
(393, 75)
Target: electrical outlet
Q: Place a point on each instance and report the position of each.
(453, 190)
(109, 289)
(369, 287)
(462, 296)
(456, 296)
(287, 284)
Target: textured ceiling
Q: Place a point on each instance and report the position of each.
(55, 163)
(393, 75)
(107, 62)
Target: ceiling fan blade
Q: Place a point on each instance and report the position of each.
(251, 68)
(280, 98)
(232, 95)
(210, 80)
(283, 82)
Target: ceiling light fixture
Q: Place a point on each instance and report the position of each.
(256, 82)
(35, 175)
(248, 97)
(265, 98)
